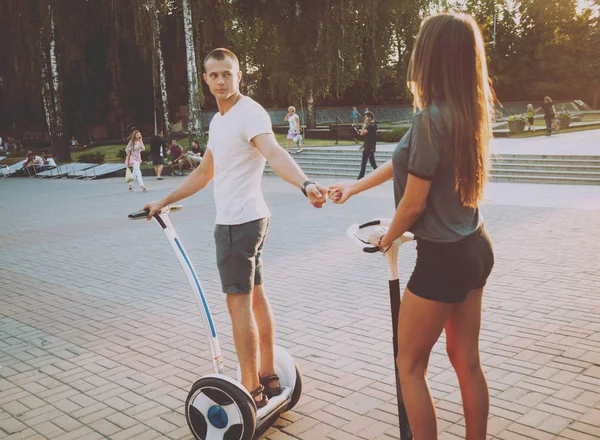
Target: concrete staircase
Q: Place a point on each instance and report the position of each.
(573, 170)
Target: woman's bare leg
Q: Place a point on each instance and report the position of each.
(462, 344)
(420, 324)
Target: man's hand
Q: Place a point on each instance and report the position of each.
(317, 195)
(154, 207)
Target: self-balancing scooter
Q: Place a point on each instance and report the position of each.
(359, 235)
(218, 406)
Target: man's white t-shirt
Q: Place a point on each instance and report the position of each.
(292, 121)
(238, 165)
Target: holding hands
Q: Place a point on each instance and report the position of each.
(340, 192)
(317, 194)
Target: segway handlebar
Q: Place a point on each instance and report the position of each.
(360, 234)
(144, 213)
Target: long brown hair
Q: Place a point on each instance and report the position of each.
(133, 137)
(448, 64)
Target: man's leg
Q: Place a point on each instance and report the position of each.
(372, 159)
(180, 165)
(245, 337)
(265, 322)
(160, 168)
(363, 164)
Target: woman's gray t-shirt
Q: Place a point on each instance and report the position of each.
(431, 157)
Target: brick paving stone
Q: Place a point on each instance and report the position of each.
(88, 351)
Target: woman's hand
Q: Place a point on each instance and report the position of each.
(340, 192)
(377, 237)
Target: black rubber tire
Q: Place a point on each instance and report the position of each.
(297, 389)
(221, 391)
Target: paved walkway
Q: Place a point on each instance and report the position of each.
(583, 143)
(100, 338)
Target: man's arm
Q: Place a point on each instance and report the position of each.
(196, 181)
(286, 168)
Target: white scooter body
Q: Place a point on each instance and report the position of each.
(285, 366)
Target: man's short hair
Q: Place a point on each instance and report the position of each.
(370, 115)
(220, 54)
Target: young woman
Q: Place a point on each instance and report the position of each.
(530, 115)
(439, 171)
(134, 158)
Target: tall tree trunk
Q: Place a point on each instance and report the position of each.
(115, 69)
(52, 89)
(159, 69)
(311, 117)
(195, 130)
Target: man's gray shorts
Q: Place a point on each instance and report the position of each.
(239, 250)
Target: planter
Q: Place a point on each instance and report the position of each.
(564, 122)
(516, 126)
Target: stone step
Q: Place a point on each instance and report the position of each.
(497, 164)
(541, 179)
(345, 164)
(546, 173)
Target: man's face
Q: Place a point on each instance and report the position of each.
(223, 77)
(173, 143)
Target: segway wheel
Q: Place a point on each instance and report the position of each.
(217, 409)
(297, 393)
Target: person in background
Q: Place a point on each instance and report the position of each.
(73, 142)
(294, 131)
(355, 115)
(549, 113)
(177, 158)
(530, 115)
(369, 132)
(48, 160)
(157, 150)
(134, 158)
(195, 154)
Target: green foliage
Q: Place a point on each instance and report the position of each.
(91, 157)
(520, 117)
(393, 135)
(351, 52)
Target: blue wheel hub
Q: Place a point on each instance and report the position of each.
(217, 417)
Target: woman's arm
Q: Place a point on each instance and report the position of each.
(408, 212)
(340, 192)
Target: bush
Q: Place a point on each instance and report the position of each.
(92, 157)
(392, 136)
(121, 154)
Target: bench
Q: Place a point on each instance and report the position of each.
(344, 132)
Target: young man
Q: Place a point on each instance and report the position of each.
(294, 131)
(195, 154)
(240, 139)
(178, 158)
(369, 132)
(48, 160)
(157, 150)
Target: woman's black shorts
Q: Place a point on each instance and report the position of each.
(446, 272)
